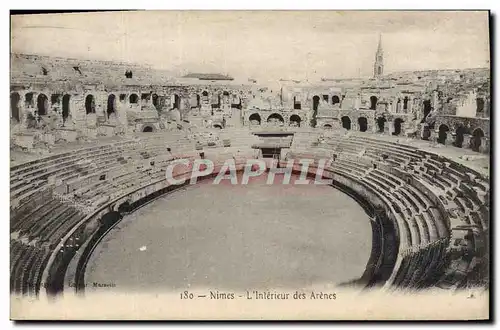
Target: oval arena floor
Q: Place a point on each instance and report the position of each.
(240, 237)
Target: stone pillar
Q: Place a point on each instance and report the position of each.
(389, 127)
(450, 138)
(466, 143)
(434, 137)
(410, 105)
(485, 145)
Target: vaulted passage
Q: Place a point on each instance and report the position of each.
(346, 122)
(427, 109)
(373, 102)
(42, 103)
(90, 104)
(111, 104)
(14, 106)
(65, 107)
(133, 98)
(459, 136)
(397, 126)
(295, 121)
(443, 134)
(381, 124)
(275, 120)
(363, 124)
(475, 142)
(254, 119)
(335, 100)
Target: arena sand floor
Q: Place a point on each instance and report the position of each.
(240, 237)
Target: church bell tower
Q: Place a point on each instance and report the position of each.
(378, 68)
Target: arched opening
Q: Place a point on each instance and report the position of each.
(405, 103)
(475, 141)
(381, 124)
(254, 119)
(176, 102)
(42, 103)
(373, 103)
(90, 104)
(459, 136)
(426, 133)
(427, 109)
(346, 122)
(29, 100)
(155, 100)
(363, 124)
(335, 100)
(443, 134)
(295, 121)
(218, 126)
(14, 106)
(480, 104)
(397, 126)
(133, 98)
(147, 129)
(111, 104)
(315, 103)
(275, 120)
(327, 126)
(65, 107)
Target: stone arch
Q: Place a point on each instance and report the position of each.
(295, 120)
(254, 119)
(475, 141)
(42, 103)
(443, 133)
(111, 107)
(275, 119)
(346, 122)
(363, 124)
(65, 106)
(381, 124)
(397, 126)
(29, 100)
(90, 104)
(426, 132)
(217, 125)
(335, 100)
(373, 102)
(14, 106)
(133, 98)
(147, 129)
(327, 126)
(459, 136)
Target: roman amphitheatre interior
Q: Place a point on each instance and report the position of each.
(407, 207)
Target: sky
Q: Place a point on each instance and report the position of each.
(264, 45)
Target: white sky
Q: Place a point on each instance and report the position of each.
(263, 45)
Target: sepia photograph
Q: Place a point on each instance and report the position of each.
(250, 164)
